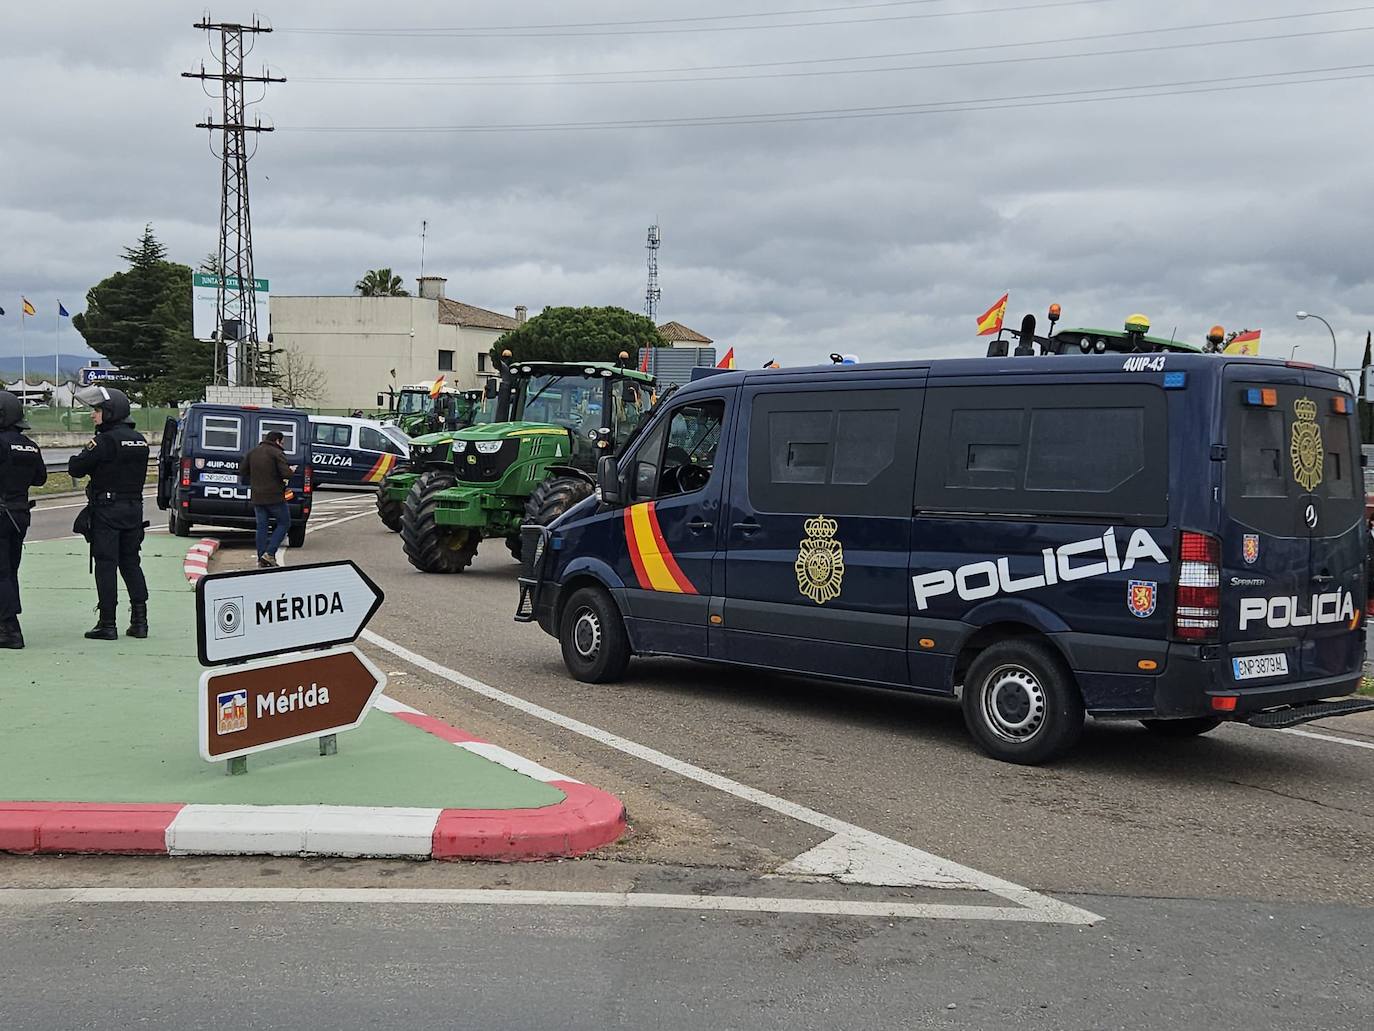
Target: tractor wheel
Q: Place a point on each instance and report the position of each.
(553, 497)
(389, 511)
(432, 548)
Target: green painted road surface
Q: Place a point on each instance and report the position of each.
(94, 721)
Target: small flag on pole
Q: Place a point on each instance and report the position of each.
(991, 320)
(29, 309)
(728, 362)
(1244, 343)
(644, 360)
(62, 310)
(438, 387)
(2, 311)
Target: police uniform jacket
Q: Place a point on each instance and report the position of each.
(117, 463)
(21, 467)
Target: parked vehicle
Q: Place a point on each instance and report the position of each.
(1171, 538)
(349, 452)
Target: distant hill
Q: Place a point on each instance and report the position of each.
(42, 365)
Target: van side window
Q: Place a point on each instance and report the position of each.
(833, 451)
(370, 439)
(282, 426)
(1262, 453)
(220, 432)
(684, 462)
(330, 433)
(1095, 451)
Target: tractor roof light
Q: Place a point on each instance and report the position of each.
(1055, 312)
(1138, 324)
(1216, 335)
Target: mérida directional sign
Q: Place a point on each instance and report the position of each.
(262, 705)
(257, 613)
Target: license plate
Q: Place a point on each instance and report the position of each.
(218, 478)
(1256, 667)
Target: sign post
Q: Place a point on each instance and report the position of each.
(294, 675)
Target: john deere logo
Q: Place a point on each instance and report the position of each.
(820, 561)
(1306, 448)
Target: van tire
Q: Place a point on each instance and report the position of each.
(178, 526)
(389, 512)
(553, 497)
(1194, 726)
(591, 631)
(1021, 703)
(295, 535)
(429, 547)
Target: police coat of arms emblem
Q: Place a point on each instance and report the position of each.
(820, 561)
(1141, 597)
(1250, 548)
(1306, 446)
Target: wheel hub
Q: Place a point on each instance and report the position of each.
(587, 634)
(1013, 703)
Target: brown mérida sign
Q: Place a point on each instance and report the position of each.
(262, 705)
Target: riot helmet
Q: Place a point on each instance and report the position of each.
(11, 412)
(114, 403)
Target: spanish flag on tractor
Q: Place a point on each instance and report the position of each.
(1244, 343)
(728, 362)
(437, 388)
(991, 320)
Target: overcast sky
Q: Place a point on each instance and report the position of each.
(885, 236)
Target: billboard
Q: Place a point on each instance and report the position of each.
(204, 297)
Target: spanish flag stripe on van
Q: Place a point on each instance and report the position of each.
(655, 567)
(380, 469)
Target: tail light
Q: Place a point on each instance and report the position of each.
(1197, 602)
(186, 472)
(309, 478)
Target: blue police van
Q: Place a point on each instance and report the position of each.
(198, 481)
(1171, 538)
(352, 452)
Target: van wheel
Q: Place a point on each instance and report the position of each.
(295, 535)
(1021, 703)
(178, 526)
(1192, 727)
(596, 649)
(432, 548)
(389, 512)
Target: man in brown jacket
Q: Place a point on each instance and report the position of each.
(268, 473)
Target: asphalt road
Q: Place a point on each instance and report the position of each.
(1234, 874)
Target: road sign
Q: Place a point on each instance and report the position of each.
(99, 374)
(262, 705)
(264, 612)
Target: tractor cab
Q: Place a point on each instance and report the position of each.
(1133, 338)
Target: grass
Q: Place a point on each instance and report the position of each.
(61, 483)
(1366, 687)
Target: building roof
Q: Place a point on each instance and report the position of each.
(677, 333)
(456, 313)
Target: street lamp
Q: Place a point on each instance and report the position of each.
(1313, 315)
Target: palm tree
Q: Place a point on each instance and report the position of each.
(380, 283)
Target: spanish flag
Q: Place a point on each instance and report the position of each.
(991, 320)
(438, 387)
(1244, 343)
(29, 309)
(728, 362)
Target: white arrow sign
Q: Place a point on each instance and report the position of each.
(270, 611)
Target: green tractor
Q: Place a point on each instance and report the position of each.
(554, 421)
(431, 422)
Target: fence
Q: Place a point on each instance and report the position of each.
(78, 420)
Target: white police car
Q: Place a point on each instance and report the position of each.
(349, 452)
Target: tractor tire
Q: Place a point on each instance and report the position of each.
(429, 547)
(389, 511)
(553, 497)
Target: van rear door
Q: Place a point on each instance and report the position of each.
(1290, 528)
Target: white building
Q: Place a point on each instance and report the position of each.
(354, 343)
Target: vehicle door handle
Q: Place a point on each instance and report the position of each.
(748, 527)
(699, 525)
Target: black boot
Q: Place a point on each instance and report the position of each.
(104, 630)
(10, 634)
(138, 620)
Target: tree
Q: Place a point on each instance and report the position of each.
(380, 283)
(580, 335)
(299, 381)
(140, 320)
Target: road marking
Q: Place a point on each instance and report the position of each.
(508, 897)
(914, 863)
(336, 522)
(1328, 737)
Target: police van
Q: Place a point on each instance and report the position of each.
(349, 452)
(198, 480)
(1171, 538)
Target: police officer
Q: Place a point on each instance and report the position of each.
(116, 460)
(21, 467)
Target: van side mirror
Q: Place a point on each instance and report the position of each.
(608, 480)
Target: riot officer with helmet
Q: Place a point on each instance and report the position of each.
(21, 467)
(116, 460)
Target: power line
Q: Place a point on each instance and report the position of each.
(830, 72)
(1186, 86)
(934, 52)
(423, 33)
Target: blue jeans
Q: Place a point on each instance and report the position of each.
(268, 544)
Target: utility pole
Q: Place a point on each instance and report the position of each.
(653, 293)
(236, 314)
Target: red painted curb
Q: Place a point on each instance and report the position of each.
(437, 727)
(586, 819)
(108, 827)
